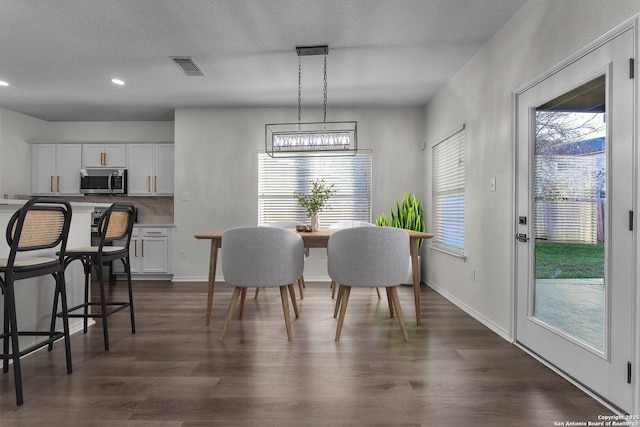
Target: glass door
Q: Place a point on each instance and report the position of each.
(574, 256)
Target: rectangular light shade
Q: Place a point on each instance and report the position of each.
(311, 139)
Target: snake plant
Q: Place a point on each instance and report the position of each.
(408, 215)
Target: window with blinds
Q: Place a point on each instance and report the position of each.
(278, 178)
(448, 193)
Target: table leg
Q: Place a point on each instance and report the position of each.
(416, 280)
(212, 277)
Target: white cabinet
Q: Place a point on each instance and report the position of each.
(149, 251)
(55, 168)
(103, 155)
(150, 169)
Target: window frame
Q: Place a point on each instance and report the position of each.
(339, 170)
(449, 181)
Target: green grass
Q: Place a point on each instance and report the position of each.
(569, 261)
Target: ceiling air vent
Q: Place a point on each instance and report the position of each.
(188, 65)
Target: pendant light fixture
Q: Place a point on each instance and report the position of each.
(311, 138)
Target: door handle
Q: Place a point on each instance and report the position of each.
(58, 183)
(142, 248)
(135, 248)
(155, 184)
(51, 183)
(148, 184)
(521, 237)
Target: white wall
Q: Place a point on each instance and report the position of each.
(15, 155)
(110, 131)
(216, 163)
(542, 34)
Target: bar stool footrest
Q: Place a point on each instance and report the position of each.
(53, 336)
(119, 306)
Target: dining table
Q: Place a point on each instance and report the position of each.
(313, 239)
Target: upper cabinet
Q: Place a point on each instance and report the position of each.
(55, 168)
(150, 169)
(104, 155)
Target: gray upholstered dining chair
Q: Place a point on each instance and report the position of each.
(349, 224)
(261, 257)
(288, 224)
(368, 257)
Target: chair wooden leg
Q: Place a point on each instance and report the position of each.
(344, 300)
(304, 285)
(378, 292)
(243, 296)
(292, 294)
(338, 299)
(285, 309)
(232, 305)
(300, 286)
(390, 301)
(334, 285)
(256, 294)
(396, 304)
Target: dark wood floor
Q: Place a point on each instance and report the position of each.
(174, 372)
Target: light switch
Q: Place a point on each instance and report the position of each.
(492, 184)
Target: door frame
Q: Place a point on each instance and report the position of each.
(633, 25)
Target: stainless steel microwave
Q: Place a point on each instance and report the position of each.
(103, 181)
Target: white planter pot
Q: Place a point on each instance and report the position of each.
(409, 279)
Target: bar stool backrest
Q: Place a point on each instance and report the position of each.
(116, 223)
(42, 223)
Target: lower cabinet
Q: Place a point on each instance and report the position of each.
(149, 252)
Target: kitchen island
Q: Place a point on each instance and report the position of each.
(35, 296)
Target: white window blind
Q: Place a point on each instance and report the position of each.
(448, 193)
(278, 178)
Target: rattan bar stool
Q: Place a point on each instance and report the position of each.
(41, 224)
(115, 226)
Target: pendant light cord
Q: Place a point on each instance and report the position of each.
(325, 89)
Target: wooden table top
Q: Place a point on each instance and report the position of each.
(312, 239)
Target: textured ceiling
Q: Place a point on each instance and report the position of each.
(59, 56)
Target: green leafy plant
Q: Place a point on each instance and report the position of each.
(317, 200)
(408, 215)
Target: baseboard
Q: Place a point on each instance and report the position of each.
(471, 312)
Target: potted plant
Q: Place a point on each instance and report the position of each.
(316, 201)
(408, 215)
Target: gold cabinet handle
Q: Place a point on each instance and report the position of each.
(148, 184)
(58, 183)
(51, 183)
(105, 158)
(155, 184)
(101, 159)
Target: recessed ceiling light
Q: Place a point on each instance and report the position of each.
(117, 82)
(3, 83)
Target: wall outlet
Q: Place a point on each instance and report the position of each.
(183, 254)
(472, 274)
